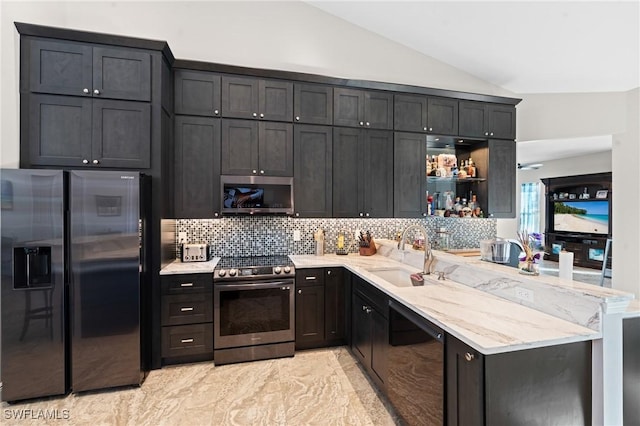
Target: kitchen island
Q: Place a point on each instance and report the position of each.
(495, 310)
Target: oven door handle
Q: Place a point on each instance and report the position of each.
(283, 285)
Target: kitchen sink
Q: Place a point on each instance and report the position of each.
(400, 277)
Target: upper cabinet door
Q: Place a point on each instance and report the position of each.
(502, 121)
(121, 74)
(239, 153)
(276, 100)
(378, 173)
(409, 175)
(348, 197)
(442, 116)
(239, 97)
(312, 170)
(378, 110)
(410, 113)
(60, 68)
(197, 93)
(275, 149)
(473, 116)
(348, 107)
(313, 104)
(501, 179)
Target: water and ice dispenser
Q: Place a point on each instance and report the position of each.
(32, 267)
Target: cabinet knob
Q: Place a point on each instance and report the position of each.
(297, 118)
(366, 214)
(85, 91)
(368, 310)
(85, 161)
(261, 115)
(96, 92)
(491, 134)
(361, 214)
(216, 214)
(424, 128)
(364, 308)
(486, 133)
(431, 129)
(469, 356)
(261, 172)
(424, 214)
(255, 114)
(297, 214)
(254, 171)
(299, 291)
(367, 124)
(328, 272)
(362, 123)
(95, 162)
(216, 112)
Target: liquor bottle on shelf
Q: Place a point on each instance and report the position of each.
(471, 169)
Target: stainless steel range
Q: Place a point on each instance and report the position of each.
(254, 308)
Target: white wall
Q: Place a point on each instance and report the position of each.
(291, 36)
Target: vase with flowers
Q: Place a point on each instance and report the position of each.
(533, 252)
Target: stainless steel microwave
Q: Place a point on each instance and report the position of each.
(256, 194)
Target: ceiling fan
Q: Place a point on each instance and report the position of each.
(529, 166)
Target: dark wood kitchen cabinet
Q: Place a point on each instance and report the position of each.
(487, 120)
(76, 132)
(550, 385)
(313, 104)
(197, 93)
(244, 97)
(312, 170)
(497, 162)
(321, 295)
(409, 175)
(361, 108)
(257, 148)
(423, 114)
(79, 69)
(362, 173)
(370, 329)
(187, 318)
(197, 167)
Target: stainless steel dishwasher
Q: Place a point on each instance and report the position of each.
(415, 381)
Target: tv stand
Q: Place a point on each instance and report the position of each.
(588, 249)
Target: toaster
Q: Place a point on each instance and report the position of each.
(195, 252)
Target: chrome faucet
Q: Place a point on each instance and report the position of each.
(429, 258)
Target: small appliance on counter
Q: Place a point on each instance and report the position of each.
(499, 250)
(195, 252)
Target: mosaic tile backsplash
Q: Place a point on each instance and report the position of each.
(273, 235)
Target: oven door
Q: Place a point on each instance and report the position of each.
(249, 313)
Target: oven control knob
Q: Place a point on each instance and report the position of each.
(222, 272)
(232, 272)
(277, 269)
(287, 269)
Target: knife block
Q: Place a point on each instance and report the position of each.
(368, 251)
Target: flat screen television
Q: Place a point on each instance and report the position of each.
(582, 217)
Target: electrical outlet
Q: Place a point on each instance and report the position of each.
(524, 294)
(296, 235)
(182, 237)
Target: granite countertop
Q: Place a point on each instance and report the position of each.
(488, 323)
(179, 267)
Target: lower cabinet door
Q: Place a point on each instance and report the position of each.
(309, 316)
(379, 338)
(187, 340)
(465, 384)
(361, 333)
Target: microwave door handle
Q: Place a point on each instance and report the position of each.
(272, 284)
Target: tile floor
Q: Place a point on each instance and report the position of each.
(316, 387)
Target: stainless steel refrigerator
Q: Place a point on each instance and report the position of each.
(72, 281)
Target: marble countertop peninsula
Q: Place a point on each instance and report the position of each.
(179, 267)
(488, 323)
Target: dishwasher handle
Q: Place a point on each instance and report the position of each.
(418, 321)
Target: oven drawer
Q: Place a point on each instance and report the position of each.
(186, 283)
(183, 340)
(311, 276)
(182, 309)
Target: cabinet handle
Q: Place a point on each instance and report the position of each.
(309, 278)
(85, 91)
(261, 115)
(216, 112)
(299, 291)
(297, 118)
(95, 162)
(186, 341)
(255, 114)
(187, 309)
(186, 284)
(85, 161)
(96, 92)
(362, 123)
(469, 356)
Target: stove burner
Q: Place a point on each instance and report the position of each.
(253, 268)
